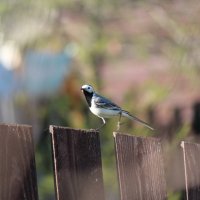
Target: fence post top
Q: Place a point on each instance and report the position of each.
(53, 127)
(15, 125)
(116, 134)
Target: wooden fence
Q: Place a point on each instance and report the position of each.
(78, 167)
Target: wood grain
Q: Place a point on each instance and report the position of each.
(17, 163)
(140, 168)
(77, 164)
(191, 155)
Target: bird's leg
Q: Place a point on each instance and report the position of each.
(119, 121)
(104, 122)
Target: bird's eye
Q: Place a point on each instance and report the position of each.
(88, 88)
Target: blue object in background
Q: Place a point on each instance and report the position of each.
(7, 87)
(44, 72)
(7, 81)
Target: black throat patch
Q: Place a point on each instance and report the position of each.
(88, 97)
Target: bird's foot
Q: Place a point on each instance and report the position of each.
(93, 129)
(118, 126)
(97, 129)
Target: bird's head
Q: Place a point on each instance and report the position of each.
(87, 89)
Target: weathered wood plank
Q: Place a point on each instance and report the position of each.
(77, 164)
(191, 157)
(17, 163)
(140, 168)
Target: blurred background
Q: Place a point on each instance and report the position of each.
(144, 55)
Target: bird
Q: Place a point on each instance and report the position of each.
(105, 108)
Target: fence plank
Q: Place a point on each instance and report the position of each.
(77, 164)
(17, 166)
(140, 168)
(191, 152)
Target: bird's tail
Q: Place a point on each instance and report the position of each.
(128, 115)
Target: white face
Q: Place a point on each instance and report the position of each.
(87, 88)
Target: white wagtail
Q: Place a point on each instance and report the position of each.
(104, 108)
